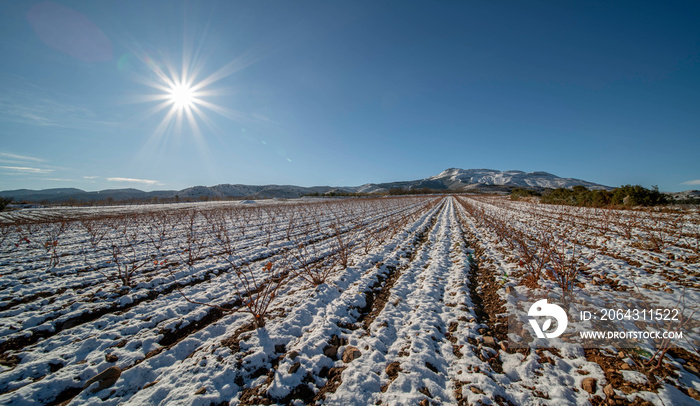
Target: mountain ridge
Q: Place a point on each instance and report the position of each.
(452, 179)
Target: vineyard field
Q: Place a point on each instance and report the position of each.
(366, 301)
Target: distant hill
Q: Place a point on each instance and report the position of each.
(685, 195)
(66, 194)
(194, 193)
(452, 179)
(265, 191)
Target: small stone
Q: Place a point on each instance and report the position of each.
(201, 391)
(111, 358)
(106, 378)
(621, 354)
(490, 341)
(589, 385)
(424, 402)
(504, 345)
(609, 391)
(280, 348)
(294, 367)
(626, 366)
(351, 353)
(627, 390)
(293, 355)
(509, 290)
(476, 390)
(331, 351)
(392, 370)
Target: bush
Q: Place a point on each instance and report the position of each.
(559, 196)
(636, 195)
(519, 192)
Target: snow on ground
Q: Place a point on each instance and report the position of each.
(411, 310)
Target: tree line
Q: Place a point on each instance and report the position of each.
(626, 195)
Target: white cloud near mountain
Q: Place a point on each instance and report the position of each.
(133, 180)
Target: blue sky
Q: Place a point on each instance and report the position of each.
(346, 93)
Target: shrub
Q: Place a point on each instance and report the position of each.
(637, 195)
(519, 192)
(4, 201)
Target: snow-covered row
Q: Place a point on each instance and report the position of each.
(42, 300)
(541, 377)
(66, 359)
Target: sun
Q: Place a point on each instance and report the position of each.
(182, 96)
(186, 96)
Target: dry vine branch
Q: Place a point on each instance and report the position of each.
(258, 292)
(567, 262)
(194, 241)
(51, 241)
(307, 262)
(124, 250)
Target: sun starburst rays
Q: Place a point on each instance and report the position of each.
(186, 99)
(187, 95)
(187, 102)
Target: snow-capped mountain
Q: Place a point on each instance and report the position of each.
(512, 178)
(470, 179)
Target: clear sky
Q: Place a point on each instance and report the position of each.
(168, 94)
